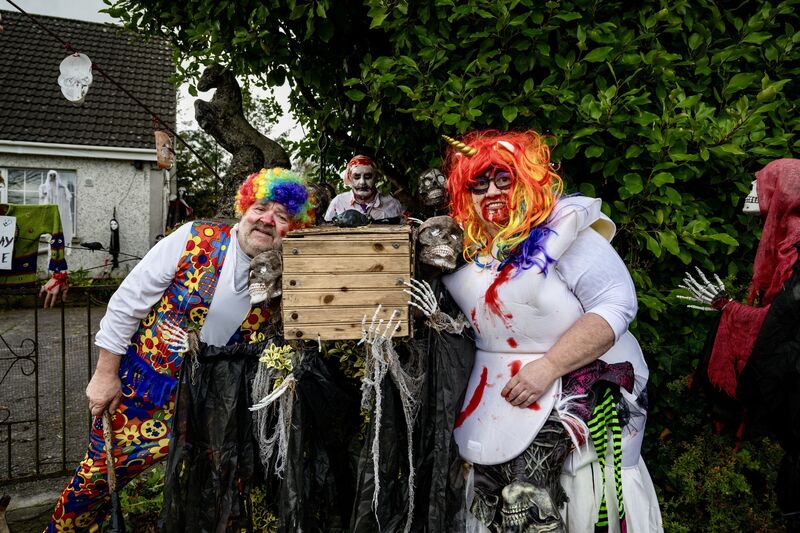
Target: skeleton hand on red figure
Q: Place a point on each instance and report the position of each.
(55, 290)
(424, 299)
(712, 296)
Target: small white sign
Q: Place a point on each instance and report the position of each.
(8, 226)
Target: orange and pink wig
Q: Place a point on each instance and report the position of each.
(533, 195)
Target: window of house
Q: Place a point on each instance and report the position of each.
(22, 186)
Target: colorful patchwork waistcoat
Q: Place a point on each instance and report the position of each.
(151, 363)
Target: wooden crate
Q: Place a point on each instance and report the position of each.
(332, 277)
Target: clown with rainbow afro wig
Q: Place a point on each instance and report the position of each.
(281, 186)
(550, 302)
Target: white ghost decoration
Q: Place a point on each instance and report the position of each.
(76, 76)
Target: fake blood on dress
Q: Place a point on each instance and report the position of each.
(473, 314)
(475, 401)
(491, 298)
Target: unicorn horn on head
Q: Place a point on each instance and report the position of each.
(462, 148)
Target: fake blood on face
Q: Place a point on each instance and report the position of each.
(475, 401)
(494, 209)
(491, 298)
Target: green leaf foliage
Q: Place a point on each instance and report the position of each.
(664, 110)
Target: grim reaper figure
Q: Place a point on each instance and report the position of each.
(213, 461)
(755, 357)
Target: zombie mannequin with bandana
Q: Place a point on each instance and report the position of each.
(547, 297)
(361, 175)
(756, 352)
(181, 284)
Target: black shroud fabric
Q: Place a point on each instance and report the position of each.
(213, 456)
(770, 387)
(317, 492)
(440, 504)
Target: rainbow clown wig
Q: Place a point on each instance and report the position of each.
(281, 186)
(534, 191)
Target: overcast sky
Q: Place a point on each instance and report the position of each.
(71, 9)
(90, 10)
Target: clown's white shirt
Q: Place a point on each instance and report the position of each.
(533, 311)
(146, 283)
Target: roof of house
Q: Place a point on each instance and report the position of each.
(32, 107)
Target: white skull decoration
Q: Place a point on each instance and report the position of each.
(432, 190)
(441, 242)
(751, 206)
(266, 270)
(76, 77)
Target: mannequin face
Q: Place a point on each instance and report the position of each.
(363, 178)
(751, 201)
(52, 175)
(114, 224)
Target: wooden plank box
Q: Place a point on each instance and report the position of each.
(332, 277)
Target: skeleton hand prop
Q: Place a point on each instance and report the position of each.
(424, 299)
(176, 338)
(374, 334)
(711, 295)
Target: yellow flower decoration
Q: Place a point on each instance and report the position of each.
(254, 319)
(149, 342)
(65, 525)
(159, 449)
(129, 435)
(193, 280)
(164, 306)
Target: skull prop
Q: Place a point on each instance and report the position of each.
(527, 507)
(532, 504)
(432, 188)
(441, 242)
(265, 276)
(76, 77)
(321, 195)
(751, 201)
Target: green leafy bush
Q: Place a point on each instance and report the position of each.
(664, 110)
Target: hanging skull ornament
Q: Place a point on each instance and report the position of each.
(432, 188)
(265, 276)
(76, 77)
(165, 155)
(441, 242)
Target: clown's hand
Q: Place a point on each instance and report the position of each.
(377, 332)
(424, 299)
(710, 295)
(55, 290)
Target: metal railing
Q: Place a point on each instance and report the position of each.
(46, 359)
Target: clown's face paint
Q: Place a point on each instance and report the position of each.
(262, 227)
(492, 205)
(363, 178)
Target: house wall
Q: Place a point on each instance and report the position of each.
(101, 185)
